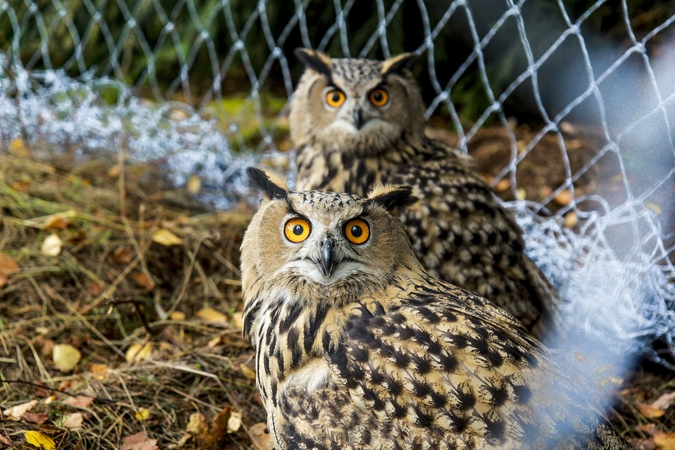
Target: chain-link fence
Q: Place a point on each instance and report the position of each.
(587, 88)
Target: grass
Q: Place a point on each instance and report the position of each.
(113, 289)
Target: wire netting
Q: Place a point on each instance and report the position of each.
(202, 86)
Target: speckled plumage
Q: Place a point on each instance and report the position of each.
(459, 232)
(357, 347)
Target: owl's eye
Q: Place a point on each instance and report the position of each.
(335, 98)
(297, 230)
(357, 231)
(379, 97)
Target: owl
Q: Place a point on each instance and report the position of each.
(356, 123)
(358, 347)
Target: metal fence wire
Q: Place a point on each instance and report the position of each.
(202, 84)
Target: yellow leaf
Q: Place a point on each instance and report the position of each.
(18, 148)
(137, 353)
(165, 237)
(655, 207)
(39, 440)
(649, 411)
(52, 245)
(177, 315)
(521, 194)
(194, 184)
(65, 357)
(237, 320)
(664, 441)
(571, 219)
(248, 373)
(142, 414)
(193, 426)
(234, 422)
(212, 315)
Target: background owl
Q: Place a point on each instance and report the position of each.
(357, 123)
(358, 347)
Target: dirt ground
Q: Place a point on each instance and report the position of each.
(120, 306)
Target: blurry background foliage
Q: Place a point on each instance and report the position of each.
(172, 49)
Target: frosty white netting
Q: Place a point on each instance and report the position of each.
(158, 76)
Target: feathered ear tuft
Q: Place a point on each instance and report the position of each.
(272, 186)
(392, 198)
(317, 61)
(398, 63)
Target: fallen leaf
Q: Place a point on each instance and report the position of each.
(65, 357)
(664, 401)
(564, 198)
(248, 373)
(211, 315)
(18, 148)
(260, 436)
(177, 315)
(502, 185)
(194, 424)
(655, 207)
(142, 414)
(137, 353)
(214, 436)
(214, 342)
(5, 440)
(59, 221)
(234, 422)
(52, 245)
(114, 171)
(194, 184)
(123, 255)
(165, 237)
(81, 401)
(571, 219)
(7, 267)
(139, 441)
(16, 412)
(521, 194)
(39, 440)
(36, 418)
(143, 280)
(46, 346)
(73, 421)
(181, 442)
(664, 441)
(649, 411)
(20, 186)
(237, 319)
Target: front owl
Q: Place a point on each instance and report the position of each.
(357, 347)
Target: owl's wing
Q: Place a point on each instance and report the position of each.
(461, 234)
(441, 373)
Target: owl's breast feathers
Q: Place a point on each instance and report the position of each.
(418, 364)
(459, 231)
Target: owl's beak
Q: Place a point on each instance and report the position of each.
(327, 260)
(358, 117)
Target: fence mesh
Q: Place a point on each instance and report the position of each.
(201, 85)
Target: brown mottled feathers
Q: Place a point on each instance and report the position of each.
(378, 354)
(459, 232)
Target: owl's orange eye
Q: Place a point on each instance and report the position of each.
(335, 98)
(379, 97)
(357, 231)
(297, 230)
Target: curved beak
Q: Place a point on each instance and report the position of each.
(358, 117)
(327, 260)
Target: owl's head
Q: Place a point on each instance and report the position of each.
(324, 239)
(357, 105)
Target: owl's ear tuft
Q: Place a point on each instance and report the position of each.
(317, 61)
(398, 63)
(392, 198)
(272, 186)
